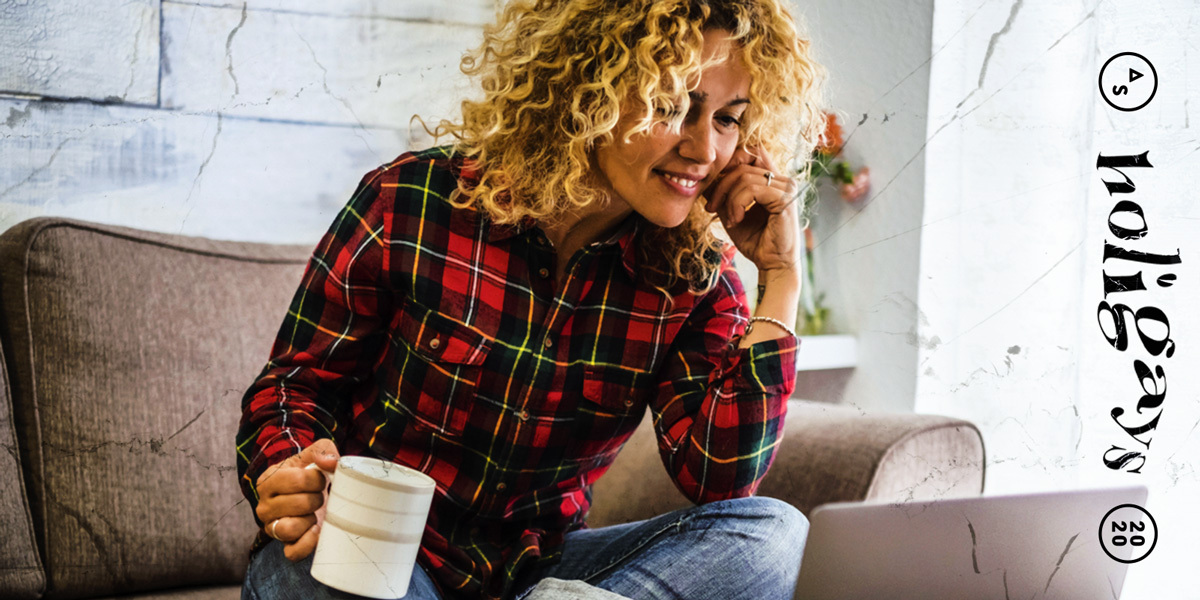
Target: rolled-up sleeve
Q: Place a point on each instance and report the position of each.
(719, 409)
(329, 339)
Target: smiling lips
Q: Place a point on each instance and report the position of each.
(686, 185)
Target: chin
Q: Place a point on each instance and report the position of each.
(668, 221)
(669, 213)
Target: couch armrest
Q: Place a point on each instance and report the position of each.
(829, 453)
(835, 453)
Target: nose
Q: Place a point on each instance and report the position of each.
(698, 142)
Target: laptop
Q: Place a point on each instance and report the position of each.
(1043, 545)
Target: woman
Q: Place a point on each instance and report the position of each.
(500, 313)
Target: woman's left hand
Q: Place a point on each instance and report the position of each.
(759, 211)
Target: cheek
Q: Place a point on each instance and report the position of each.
(727, 152)
(623, 157)
(612, 163)
(642, 152)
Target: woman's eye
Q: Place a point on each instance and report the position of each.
(729, 121)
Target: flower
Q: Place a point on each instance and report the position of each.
(858, 186)
(831, 141)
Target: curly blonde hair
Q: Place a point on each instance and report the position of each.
(557, 74)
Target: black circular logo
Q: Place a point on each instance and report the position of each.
(1128, 533)
(1128, 81)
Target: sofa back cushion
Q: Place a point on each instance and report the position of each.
(21, 577)
(128, 353)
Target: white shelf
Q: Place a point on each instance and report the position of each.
(819, 352)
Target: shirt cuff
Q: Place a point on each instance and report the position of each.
(767, 367)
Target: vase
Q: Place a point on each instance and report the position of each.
(812, 314)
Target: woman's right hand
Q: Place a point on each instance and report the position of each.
(295, 497)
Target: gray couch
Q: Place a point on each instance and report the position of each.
(125, 357)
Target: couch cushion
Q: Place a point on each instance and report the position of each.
(129, 352)
(22, 576)
(229, 592)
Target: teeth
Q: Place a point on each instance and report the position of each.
(687, 183)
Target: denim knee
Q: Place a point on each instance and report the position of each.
(777, 530)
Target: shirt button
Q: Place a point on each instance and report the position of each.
(548, 343)
(523, 415)
(543, 272)
(500, 486)
(629, 402)
(434, 343)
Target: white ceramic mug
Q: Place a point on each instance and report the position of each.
(374, 519)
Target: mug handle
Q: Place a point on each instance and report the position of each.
(320, 512)
(328, 474)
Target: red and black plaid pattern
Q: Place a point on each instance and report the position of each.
(425, 335)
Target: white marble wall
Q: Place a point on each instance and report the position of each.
(1011, 270)
(241, 120)
(1002, 259)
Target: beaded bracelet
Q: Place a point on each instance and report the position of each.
(773, 321)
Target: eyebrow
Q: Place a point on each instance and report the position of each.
(701, 97)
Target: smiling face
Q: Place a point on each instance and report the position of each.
(660, 173)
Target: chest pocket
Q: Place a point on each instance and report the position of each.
(439, 362)
(614, 400)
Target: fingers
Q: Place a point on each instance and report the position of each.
(715, 195)
(741, 156)
(323, 452)
(290, 496)
(764, 159)
(289, 505)
(740, 176)
(739, 203)
(290, 529)
(746, 187)
(303, 546)
(289, 479)
(779, 196)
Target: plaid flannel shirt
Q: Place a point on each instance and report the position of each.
(425, 335)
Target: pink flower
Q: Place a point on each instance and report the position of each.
(858, 187)
(831, 141)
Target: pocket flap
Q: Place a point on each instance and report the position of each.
(611, 387)
(441, 338)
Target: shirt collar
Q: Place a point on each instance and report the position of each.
(623, 237)
(499, 233)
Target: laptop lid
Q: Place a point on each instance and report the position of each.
(1043, 545)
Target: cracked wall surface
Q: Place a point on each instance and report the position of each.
(107, 52)
(248, 120)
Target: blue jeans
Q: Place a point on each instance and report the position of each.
(747, 548)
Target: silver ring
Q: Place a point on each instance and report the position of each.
(274, 524)
(770, 178)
